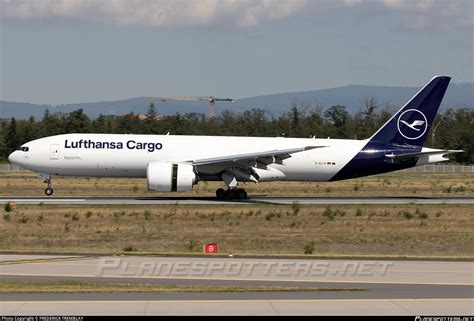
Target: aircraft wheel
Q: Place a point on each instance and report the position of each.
(48, 191)
(241, 194)
(231, 194)
(220, 194)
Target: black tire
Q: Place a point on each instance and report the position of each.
(48, 191)
(241, 194)
(220, 194)
(231, 194)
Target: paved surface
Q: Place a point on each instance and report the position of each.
(387, 287)
(243, 269)
(238, 307)
(253, 200)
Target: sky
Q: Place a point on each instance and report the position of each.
(71, 51)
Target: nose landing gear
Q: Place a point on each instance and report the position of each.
(49, 190)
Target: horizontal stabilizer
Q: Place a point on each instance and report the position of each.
(416, 154)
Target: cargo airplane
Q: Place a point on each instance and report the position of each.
(176, 163)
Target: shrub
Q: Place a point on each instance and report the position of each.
(329, 213)
(359, 212)
(192, 244)
(309, 247)
(75, 217)
(295, 224)
(421, 214)
(7, 217)
(129, 249)
(88, 214)
(273, 214)
(8, 207)
(270, 216)
(23, 219)
(146, 215)
(406, 214)
(296, 207)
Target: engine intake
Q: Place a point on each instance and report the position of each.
(170, 177)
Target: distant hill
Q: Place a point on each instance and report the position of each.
(352, 96)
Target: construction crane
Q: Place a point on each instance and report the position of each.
(212, 102)
(212, 105)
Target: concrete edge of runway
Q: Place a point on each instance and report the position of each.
(82, 255)
(253, 200)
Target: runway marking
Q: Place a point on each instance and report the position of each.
(243, 301)
(234, 279)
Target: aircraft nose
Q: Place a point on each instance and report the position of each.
(13, 158)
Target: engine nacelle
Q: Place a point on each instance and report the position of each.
(170, 177)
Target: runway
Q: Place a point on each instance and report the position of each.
(433, 200)
(378, 287)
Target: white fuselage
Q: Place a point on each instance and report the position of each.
(127, 155)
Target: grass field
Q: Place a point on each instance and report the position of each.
(372, 230)
(393, 184)
(91, 287)
(345, 230)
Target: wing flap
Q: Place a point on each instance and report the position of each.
(266, 157)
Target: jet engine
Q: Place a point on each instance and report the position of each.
(170, 177)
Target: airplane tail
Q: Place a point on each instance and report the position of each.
(411, 124)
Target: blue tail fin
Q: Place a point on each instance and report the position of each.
(411, 124)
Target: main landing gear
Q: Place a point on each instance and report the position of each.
(231, 194)
(49, 190)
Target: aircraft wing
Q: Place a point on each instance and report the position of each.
(266, 157)
(415, 154)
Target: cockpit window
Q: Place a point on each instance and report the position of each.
(24, 149)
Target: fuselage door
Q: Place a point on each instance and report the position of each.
(54, 151)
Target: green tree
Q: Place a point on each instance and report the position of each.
(13, 137)
(3, 147)
(339, 117)
(78, 122)
(151, 121)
